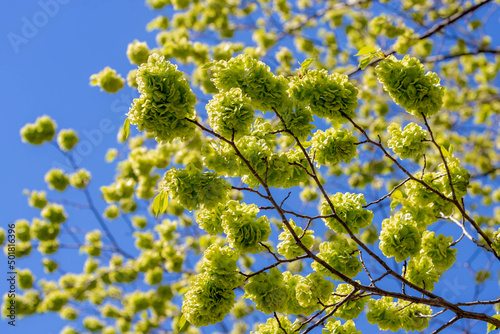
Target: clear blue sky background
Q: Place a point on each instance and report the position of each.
(48, 74)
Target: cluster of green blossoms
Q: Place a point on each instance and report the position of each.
(349, 209)
(211, 296)
(244, 230)
(108, 80)
(67, 139)
(273, 327)
(407, 143)
(44, 129)
(409, 86)
(341, 255)
(333, 146)
(265, 90)
(336, 327)
(400, 237)
(193, 189)
(230, 114)
(268, 291)
(425, 205)
(391, 316)
(288, 247)
(166, 102)
(327, 95)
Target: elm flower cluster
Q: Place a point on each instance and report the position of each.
(334, 326)
(138, 52)
(326, 95)
(409, 86)
(333, 146)
(288, 247)
(351, 309)
(122, 188)
(230, 113)
(439, 250)
(192, 188)
(37, 199)
(80, 179)
(44, 129)
(67, 139)
(243, 229)
(210, 220)
(400, 237)
(297, 118)
(422, 272)
(341, 255)
(56, 179)
(293, 306)
(313, 288)
(211, 296)
(407, 143)
(166, 101)
(54, 213)
(268, 291)
(108, 80)
(254, 78)
(273, 327)
(349, 208)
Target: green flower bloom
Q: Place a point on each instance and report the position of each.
(313, 288)
(165, 103)
(341, 255)
(44, 129)
(207, 302)
(244, 230)
(385, 313)
(409, 86)
(273, 327)
(410, 315)
(407, 143)
(220, 264)
(335, 327)
(400, 237)
(22, 230)
(54, 213)
(192, 188)
(293, 305)
(268, 291)
(80, 179)
(67, 139)
(333, 146)
(254, 78)
(108, 80)
(349, 208)
(351, 309)
(37, 199)
(287, 247)
(43, 230)
(56, 179)
(25, 279)
(438, 249)
(230, 113)
(138, 52)
(422, 272)
(326, 95)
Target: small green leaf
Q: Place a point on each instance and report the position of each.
(156, 204)
(450, 149)
(394, 203)
(446, 154)
(207, 66)
(183, 323)
(397, 194)
(306, 63)
(163, 201)
(126, 128)
(366, 61)
(366, 50)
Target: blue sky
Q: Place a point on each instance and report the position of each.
(46, 61)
